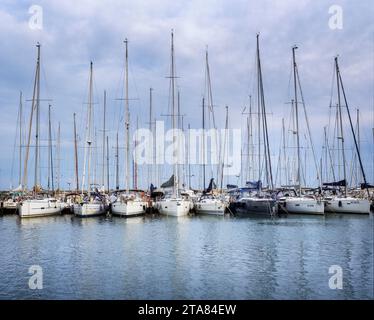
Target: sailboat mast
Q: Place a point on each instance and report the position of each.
(104, 131)
(297, 119)
(76, 155)
(107, 162)
(127, 119)
(203, 144)
(89, 137)
(117, 165)
(224, 145)
(33, 106)
(269, 173)
(172, 79)
(150, 167)
(20, 139)
(359, 144)
(352, 130)
(37, 129)
(50, 155)
(135, 182)
(58, 157)
(341, 137)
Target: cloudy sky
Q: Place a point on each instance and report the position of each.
(76, 32)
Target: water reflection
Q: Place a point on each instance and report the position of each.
(197, 256)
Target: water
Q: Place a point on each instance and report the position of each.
(200, 257)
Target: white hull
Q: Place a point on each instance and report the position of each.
(10, 205)
(39, 208)
(303, 206)
(347, 205)
(89, 209)
(128, 208)
(175, 207)
(209, 206)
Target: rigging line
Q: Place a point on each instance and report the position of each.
(308, 127)
(14, 147)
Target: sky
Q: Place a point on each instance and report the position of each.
(73, 33)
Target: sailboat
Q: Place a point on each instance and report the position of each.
(38, 204)
(176, 203)
(252, 198)
(91, 203)
(209, 202)
(343, 203)
(300, 203)
(127, 203)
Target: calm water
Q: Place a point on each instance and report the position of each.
(191, 258)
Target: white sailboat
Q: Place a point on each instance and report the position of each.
(210, 204)
(93, 203)
(127, 203)
(37, 205)
(300, 203)
(175, 204)
(345, 203)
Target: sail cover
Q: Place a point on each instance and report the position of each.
(366, 186)
(341, 183)
(254, 184)
(169, 183)
(211, 186)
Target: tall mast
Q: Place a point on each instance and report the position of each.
(297, 120)
(50, 153)
(107, 162)
(352, 129)
(151, 167)
(34, 104)
(58, 157)
(224, 145)
(172, 79)
(341, 137)
(188, 159)
(20, 139)
(49, 148)
(37, 129)
(127, 119)
(284, 154)
(203, 144)
(76, 155)
(135, 182)
(90, 130)
(104, 131)
(89, 136)
(359, 144)
(269, 174)
(117, 165)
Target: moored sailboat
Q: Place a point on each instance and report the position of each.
(38, 204)
(90, 203)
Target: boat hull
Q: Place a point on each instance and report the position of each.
(175, 208)
(128, 208)
(255, 206)
(347, 205)
(303, 206)
(89, 209)
(211, 207)
(39, 208)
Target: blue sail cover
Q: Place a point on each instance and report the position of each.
(254, 184)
